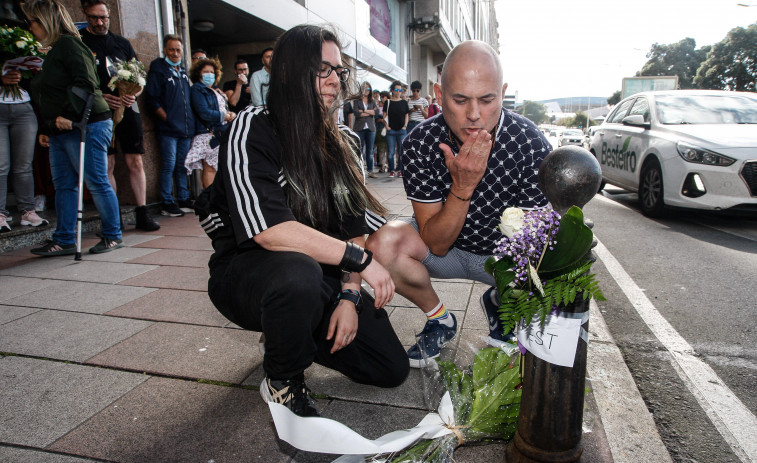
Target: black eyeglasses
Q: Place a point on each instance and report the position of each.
(98, 18)
(326, 68)
(30, 21)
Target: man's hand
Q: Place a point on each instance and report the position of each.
(61, 123)
(241, 79)
(342, 325)
(44, 141)
(468, 168)
(113, 101)
(128, 100)
(379, 279)
(161, 113)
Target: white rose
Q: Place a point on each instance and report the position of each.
(20, 44)
(124, 74)
(141, 81)
(511, 221)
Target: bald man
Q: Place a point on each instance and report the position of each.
(481, 159)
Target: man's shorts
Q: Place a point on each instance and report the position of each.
(128, 134)
(455, 264)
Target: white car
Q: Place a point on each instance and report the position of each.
(683, 148)
(571, 137)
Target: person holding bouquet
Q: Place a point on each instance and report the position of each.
(109, 49)
(18, 130)
(69, 64)
(211, 118)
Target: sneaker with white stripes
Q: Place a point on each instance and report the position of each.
(291, 393)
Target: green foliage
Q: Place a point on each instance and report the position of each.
(533, 110)
(572, 242)
(680, 59)
(559, 291)
(486, 402)
(614, 98)
(731, 64)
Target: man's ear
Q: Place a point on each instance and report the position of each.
(504, 90)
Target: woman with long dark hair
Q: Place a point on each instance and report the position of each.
(288, 214)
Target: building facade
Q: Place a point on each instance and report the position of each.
(385, 40)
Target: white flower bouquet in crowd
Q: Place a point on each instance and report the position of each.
(19, 50)
(129, 78)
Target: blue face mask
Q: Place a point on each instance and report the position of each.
(172, 63)
(208, 79)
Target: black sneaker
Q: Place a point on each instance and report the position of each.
(144, 221)
(171, 210)
(434, 336)
(187, 204)
(292, 393)
(106, 245)
(490, 304)
(51, 248)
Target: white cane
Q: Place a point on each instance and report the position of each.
(89, 98)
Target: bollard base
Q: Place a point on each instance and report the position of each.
(519, 451)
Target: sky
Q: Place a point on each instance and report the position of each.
(569, 48)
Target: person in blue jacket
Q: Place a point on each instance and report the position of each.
(168, 96)
(211, 118)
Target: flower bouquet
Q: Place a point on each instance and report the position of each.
(542, 263)
(129, 79)
(485, 401)
(18, 50)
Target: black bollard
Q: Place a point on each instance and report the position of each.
(552, 401)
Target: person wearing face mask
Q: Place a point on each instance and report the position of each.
(211, 118)
(167, 94)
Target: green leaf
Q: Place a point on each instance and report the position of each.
(573, 239)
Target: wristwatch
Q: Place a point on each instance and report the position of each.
(352, 296)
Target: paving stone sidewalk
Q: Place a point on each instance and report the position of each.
(121, 357)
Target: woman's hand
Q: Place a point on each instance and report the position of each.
(229, 116)
(128, 100)
(114, 102)
(379, 279)
(44, 141)
(342, 325)
(61, 123)
(12, 78)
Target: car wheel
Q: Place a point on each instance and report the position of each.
(650, 189)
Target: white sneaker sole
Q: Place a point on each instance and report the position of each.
(264, 392)
(26, 222)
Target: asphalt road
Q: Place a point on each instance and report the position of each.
(688, 331)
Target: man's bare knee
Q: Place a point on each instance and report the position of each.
(394, 239)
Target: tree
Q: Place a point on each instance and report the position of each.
(533, 110)
(680, 59)
(614, 99)
(732, 62)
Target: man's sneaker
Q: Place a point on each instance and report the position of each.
(434, 336)
(106, 245)
(144, 220)
(391, 174)
(292, 393)
(399, 173)
(490, 304)
(4, 227)
(187, 204)
(51, 248)
(171, 210)
(31, 218)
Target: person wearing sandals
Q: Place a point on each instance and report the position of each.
(287, 214)
(68, 64)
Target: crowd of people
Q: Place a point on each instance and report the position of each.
(382, 119)
(294, 226)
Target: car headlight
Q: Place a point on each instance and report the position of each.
(698, 155)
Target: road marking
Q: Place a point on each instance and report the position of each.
(733, 420)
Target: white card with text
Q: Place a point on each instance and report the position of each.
(555, 342)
